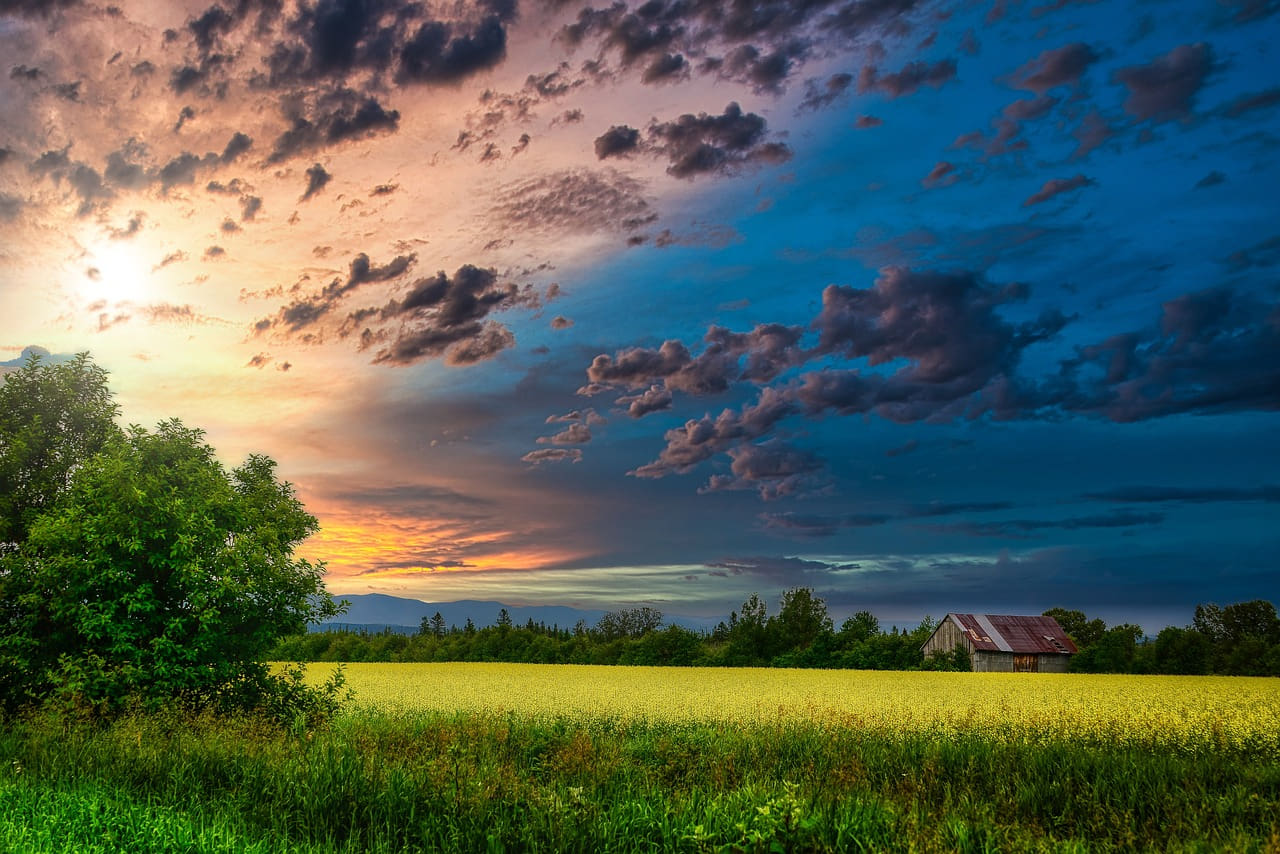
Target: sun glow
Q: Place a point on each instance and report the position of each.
(114, 272)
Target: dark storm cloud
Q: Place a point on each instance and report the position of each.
(443, 316)
(819, 95)
(616, 141)
(437, 53)
(337, 40)
(1056, 187)
(1025, 528)
(1215, 350)
(576, 200)
(899, 84)
(1063, 66)
(237, 145)
(764, 72)
(706, 144)
(759, 44)
(317, 177)
(332, 118)
(307, 311)
(701, 439)
(773, 469)
(1165, 89)
(668, 68)
(759, 355)
(1188, 495)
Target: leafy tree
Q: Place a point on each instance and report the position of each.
(629, 623)
(437, 624)
(1083, 631)
(801, 619)
(53, 417)
(861, 627)
(1114, 652)
(1184, 651)
(749, 633)
(157, 575)
(504, 618)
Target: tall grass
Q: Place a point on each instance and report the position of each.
(473, 782)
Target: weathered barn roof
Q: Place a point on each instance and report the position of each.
(1005, 633)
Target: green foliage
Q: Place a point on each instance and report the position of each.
(430, 782)
(152, 574)
(53, 417)
(1083, 631)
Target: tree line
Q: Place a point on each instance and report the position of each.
(1239, 639)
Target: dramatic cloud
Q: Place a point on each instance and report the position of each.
(1165, 89)
(307, 311)
(908, 81)
(706, 144)
(580, 200)
(444, 316)
(819, 95)
(317, 177)
(332, 119)
(616, 141)
(1063, 66)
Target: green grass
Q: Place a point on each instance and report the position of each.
(379, 783)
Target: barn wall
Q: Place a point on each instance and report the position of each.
(945, 638)
(992, 662)
(1002, 662)
(1054, 663)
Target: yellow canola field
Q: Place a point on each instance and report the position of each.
(1185, 713)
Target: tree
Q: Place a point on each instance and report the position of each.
(859, 628)
(629, 623)
(802, 617)
(1083, 631)
(53, 418)
(504, 618)
(437, 625)
(157, 575)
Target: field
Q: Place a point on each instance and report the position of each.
(1178, 713)
(555, 758)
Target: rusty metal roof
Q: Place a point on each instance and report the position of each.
(1005, 633)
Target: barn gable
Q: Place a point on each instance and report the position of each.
(997, 642)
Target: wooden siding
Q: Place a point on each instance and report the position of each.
(1009, 662)
(945, 638)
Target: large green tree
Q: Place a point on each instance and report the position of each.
(151, 572)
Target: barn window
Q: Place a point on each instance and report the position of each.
(1057, 644)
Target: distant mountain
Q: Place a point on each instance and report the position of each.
(378, 611)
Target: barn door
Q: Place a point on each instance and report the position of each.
(1026, 663)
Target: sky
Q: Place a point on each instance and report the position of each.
(929, 307)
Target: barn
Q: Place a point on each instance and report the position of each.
(1000, 642)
